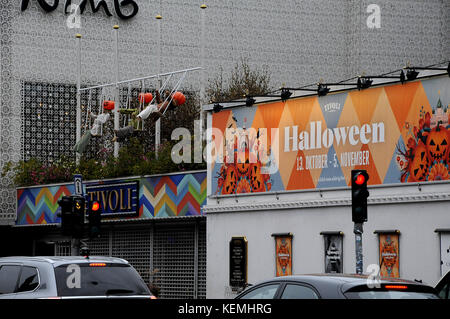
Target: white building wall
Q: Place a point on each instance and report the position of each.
(416, 210)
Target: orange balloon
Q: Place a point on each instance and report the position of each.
(108, 105)
(179, 98)
(145, 98)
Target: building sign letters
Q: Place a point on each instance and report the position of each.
(119, 5)
(115, 199)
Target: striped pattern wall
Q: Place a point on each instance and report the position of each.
(174, 195)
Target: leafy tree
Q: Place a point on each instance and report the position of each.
(243, 81)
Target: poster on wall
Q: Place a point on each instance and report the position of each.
(399, 133)
(389, 254)
(283, 254)
(238, 262)
(333, 252)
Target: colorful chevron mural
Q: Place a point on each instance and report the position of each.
(159, 196)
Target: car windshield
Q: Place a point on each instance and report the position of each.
(98, 279)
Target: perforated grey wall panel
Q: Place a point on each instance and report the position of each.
(300, 42)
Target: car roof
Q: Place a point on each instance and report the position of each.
(340, 278)
(62, 260)
(328, 284)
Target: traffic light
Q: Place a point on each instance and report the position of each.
(359, 196)
(66, 205)
(79, 209)
(72, 215)
(95, 218)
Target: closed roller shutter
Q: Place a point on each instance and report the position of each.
(172, 256)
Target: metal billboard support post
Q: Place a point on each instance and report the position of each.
(358, 231)
(158, 68)
(78, 111)
(202, 65)
(117, 93)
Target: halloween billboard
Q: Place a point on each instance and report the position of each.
(399, 133)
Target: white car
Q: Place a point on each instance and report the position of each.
(73, 277)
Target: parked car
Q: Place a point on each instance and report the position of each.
(443, 286)
(73, 277)
(337, 286)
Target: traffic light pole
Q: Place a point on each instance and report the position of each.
(359, 212)
(358, 231)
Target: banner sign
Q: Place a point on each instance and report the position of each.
(389, 255)
(399, 133)
(238, 262)
(333, 253)
(115, 199)
(283, 254)
(172, 195)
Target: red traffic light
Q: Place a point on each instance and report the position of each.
(95, 206)
(360, 179)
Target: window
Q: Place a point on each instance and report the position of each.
(9, 274)
(264, 292)
(29, 279)
(111, 279)
(293, 291)
(48, 120)
(443, 293)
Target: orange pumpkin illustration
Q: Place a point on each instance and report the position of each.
(419, 165)
(243, 162)
(437, 144)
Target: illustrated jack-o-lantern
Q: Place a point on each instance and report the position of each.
(437, 144)
(419, 164)
(230, 181)
(243, 162)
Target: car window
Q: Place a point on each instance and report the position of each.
(9, 274)
(98, 279)
(443, 293)
(293, 291)
(29, 279)
(264, 292)
(443, 287)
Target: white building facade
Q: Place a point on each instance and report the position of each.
(299, 42)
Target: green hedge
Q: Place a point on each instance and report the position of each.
(132, 161)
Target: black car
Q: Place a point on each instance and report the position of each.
(337, 286)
